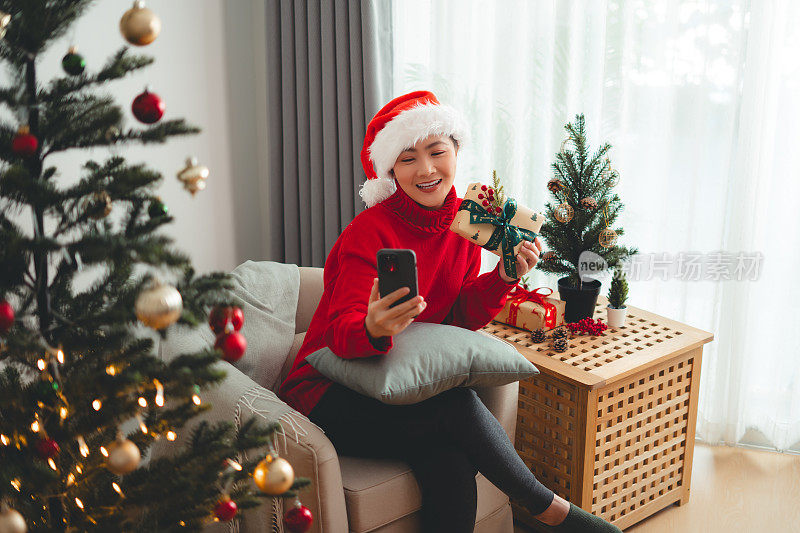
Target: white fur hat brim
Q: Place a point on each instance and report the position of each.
(403, 132)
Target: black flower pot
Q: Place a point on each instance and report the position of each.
(579, 302)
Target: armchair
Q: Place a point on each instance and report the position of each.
(347, 494)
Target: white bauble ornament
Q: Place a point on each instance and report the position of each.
(159, 306)
(123, 457)
(11, 521)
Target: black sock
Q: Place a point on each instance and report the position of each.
(580, 521)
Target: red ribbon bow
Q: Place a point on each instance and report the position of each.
(519, 295)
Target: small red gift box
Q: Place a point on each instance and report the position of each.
(532, 309)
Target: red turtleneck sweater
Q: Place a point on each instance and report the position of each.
(447, 277)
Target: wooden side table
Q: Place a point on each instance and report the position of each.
(609, 424)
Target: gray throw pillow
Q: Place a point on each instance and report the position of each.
(426, 359)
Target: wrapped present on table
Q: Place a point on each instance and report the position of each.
(500, 231)
(532, 310)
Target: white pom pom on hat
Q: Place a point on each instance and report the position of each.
(399, 125)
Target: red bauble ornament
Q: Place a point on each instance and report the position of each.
(148, 107)
(47, 448)
(225, 510)
(233, 346)
(221, 315)
(6, 316)
(298, 519)
(24, 143)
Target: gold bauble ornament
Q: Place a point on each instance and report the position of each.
(193, 176)
(11, 521)
(5, 18)
(123, 456)
(273, 475)
(159, 306)
(608, 237)
(563, 212)
(555, 185)
(99, 205)
(139, 25)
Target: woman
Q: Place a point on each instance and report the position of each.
(409, 157)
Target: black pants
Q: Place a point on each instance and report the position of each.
(446, 439)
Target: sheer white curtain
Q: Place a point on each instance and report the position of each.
(701, 101)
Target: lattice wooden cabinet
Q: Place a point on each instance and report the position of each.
(609, 424)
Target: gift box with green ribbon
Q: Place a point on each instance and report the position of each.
(532, 310)
(501, 233)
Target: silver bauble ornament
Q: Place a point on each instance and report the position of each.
(159, 306)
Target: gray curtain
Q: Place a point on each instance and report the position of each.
(329, 70)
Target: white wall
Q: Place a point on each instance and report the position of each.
(221, 226)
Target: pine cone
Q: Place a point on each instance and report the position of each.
(555, 185)
(561, 332)
(538, 336)
(560, 345)
(548, 255)
(588, 203)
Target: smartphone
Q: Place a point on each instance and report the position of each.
(397, 268)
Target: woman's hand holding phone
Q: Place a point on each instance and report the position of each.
(383, 321)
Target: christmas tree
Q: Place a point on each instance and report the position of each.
(585, 208)
(618, 291)
(83, 395)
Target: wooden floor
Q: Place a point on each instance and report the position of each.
(733, 490)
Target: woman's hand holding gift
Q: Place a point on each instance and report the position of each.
(527, 258)
(383, 321)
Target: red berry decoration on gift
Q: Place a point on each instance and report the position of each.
(47, 448)
(6, 317)
(299, 518)
(225, 510)
(483, 187)
(221, 315)
(232, 345)
(148, 107)
(24, 143)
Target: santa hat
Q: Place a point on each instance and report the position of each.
(398, 126)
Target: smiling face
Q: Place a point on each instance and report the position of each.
(429, 161)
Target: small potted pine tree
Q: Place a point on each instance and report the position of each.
(579, 219)
(617, 295)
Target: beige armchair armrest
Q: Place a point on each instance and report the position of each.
(301, 442)
(502, 402)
